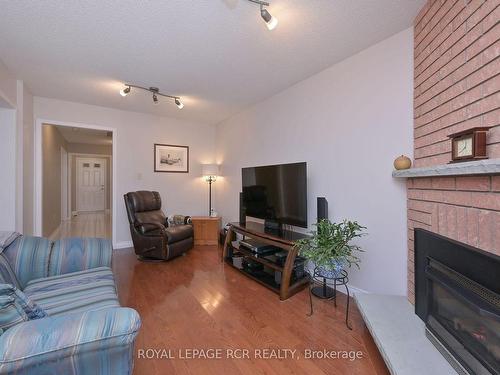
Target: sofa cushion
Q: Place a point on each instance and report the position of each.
(179, 233)
(29, 258)
(74, 292)
(77, 254)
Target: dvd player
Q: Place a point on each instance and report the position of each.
(257, 247)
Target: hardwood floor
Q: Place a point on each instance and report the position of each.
(195, 302)
(85, 224)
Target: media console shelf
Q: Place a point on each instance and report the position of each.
(284, 240)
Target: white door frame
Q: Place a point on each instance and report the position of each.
(64, 184)
(77, 187)
(38, 171)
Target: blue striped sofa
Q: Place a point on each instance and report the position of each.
(86, 331)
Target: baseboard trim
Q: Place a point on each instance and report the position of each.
(123, 245)
(352, 290)
(358, 290)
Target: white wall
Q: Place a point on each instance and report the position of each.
(135, 135)
(8, 169)
(24, 159)
(16, 123)
(27, 161)
(52, 142)
(8, 97)
(348, 123)
(8, 87)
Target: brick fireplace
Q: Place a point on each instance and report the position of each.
(457, 87)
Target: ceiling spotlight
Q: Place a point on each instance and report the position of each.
(271, 22)
(179, 104)
(155, 90)
(125, 91)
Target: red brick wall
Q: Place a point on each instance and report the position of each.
(457, 86)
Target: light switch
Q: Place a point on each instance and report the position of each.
(139, 176)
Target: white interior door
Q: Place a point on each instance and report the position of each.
(90, 184)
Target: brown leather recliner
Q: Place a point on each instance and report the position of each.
(153, 236)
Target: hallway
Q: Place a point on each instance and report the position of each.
(86, 224)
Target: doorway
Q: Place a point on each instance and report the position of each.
(79, 181)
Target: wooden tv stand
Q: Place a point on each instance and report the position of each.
(283, 240)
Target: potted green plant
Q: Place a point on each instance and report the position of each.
(329, 246)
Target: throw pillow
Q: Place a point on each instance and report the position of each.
(6, 238)
(30, 308)
(10, 313)
(174, 220)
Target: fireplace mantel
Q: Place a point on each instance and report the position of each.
(471, 168)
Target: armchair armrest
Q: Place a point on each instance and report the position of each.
(79, 254)
(150, 229)
(97, 342)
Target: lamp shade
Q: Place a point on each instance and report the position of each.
(210, 170)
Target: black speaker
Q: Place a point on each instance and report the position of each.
(243, 211)
(322, 208)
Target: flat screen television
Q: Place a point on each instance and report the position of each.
(276, 193)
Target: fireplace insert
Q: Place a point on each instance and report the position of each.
(457, 296)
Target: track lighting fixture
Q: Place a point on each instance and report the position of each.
(271, 22)
(155, 91)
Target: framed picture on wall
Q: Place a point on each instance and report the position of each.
(171, 158)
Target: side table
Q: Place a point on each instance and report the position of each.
(206, 230)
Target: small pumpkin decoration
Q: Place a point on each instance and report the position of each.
(402, 162)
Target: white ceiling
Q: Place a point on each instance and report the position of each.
(83, 135)
(216, 54)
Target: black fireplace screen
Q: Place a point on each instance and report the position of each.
(465, 317)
